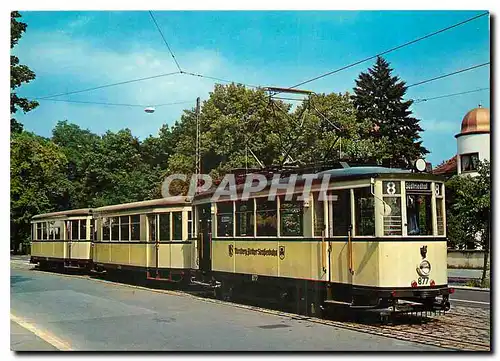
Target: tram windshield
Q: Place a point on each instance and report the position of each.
(419, 214)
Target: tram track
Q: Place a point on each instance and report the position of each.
(445, 331)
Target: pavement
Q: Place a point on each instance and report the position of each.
(71, 313)
(464, 273)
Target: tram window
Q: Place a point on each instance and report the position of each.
(319, 216)
(364, 212)
(105, 229)
(439, 214)
(152, 227)
(51, 230)
(190, 225)
(244, 218)
(177, 225)
(341, 209)
(83, 229)
(45, 230)
(225, 219)
(419, 215)
(57, 230)
(124, 228)
(135, 227)
(266, 217)
(115, 228)
(74, 230)
(165, 227)
(39, 231)
(291, 217)
(392, 216)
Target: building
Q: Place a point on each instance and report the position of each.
(473, 144)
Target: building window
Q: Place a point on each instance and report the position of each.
(225, 219)
(177, 226)
(291, 217)
(364, 212)
(341, 212)
(164, 227)
(393, 225)
(135, 227)
(115, 229)
(124, 228)
(244, 218)
(105, 229)
(266, 217)
(469, 162)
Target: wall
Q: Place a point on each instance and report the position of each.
(472, 143)
(465, 259)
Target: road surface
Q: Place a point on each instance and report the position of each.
(76, 313)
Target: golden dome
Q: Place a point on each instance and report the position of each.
(476, 121)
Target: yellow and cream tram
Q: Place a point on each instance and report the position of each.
(373, 238)
(62, 239)
(149, 237)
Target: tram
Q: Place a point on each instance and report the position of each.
(148, 239)
(369, 238)
(62, 239)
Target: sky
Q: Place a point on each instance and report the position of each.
(72, 50)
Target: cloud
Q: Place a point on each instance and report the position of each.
(439, 126)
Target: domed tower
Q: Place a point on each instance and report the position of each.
(473, 141)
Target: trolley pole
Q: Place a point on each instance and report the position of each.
(198, 143)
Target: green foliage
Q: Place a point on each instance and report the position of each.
(38, 182)
(378, 98)
(469, 214)
(19, 74)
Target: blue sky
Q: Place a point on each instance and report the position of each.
(77, 50)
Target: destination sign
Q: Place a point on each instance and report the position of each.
(418, 186)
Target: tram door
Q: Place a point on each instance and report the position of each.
(204, 237)
(340, 225)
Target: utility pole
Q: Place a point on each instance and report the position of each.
(198, 142)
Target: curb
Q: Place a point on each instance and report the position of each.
(471, 288)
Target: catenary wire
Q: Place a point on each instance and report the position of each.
(219, 79)
(165, 40)
(449, 74)
(389, 50)
(111, 104)
(109, 85)
(416, 101)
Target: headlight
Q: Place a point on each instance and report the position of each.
(424, 268)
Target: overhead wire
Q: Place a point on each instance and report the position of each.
(165, 40)
(389, 50)
(109, 85)
(111, 104)
(219, 79)
(449, 74)
(421, 100)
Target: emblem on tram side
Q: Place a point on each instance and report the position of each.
(230, 250)
(423, 251)
(282, 252)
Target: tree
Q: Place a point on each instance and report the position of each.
(331, 132)
(38, 182)
(470, 212)
(19, 74)
(378, 99)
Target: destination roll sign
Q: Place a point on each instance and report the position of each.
(417, 187)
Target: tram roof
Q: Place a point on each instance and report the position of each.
(169, 201)
(348, 173)
(67, 213)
